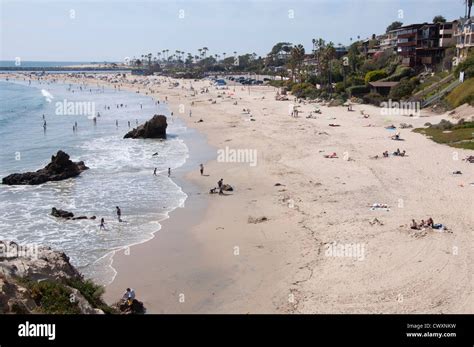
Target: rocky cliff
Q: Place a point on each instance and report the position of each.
(40, 280)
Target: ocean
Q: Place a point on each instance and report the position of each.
(120, 174)
(31, 63)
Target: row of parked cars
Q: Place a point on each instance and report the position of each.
(246, 81)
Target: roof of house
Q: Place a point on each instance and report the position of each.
(383, 84)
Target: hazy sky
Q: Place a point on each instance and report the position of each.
(98, 30)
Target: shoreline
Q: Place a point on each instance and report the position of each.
(155, 254)
(280, 265)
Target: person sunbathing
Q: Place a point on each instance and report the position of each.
(385, 154)
(402, 154)
(429, 222)
(332, 155)
(414, 225)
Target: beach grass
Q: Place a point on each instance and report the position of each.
(462, 94)
(459, 136)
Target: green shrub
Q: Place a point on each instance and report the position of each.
(374, 76)
(53, 297)
(358, 90)
(277, 83)
(403, 90)
(400, 72)
(340, 87)
(355, 81)
(467, 66)
(373, 98)
(92, 292)
(305, 90)
(462, 94)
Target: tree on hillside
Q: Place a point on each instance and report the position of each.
(439, 19)
(393, 26)
(297, 58)
(273, 58)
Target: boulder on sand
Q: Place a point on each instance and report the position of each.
(155, 128)
(60, 168)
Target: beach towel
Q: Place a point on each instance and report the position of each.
(378, 206)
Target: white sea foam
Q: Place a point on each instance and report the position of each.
(120, 174)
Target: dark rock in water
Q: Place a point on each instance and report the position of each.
(68, 215)
(155, 128)
(61, 213)
(80, 217)
(60, 168)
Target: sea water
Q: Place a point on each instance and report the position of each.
(120, 171)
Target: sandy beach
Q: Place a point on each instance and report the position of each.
(270, 245)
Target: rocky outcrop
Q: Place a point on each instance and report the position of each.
(60, 168)
(136, 307)
(67, 215)
(61, 213)
(40, 280)
(35, 262)
(155, 128)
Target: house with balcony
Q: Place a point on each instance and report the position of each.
(418, 45)
(446, 34)
(428, 50)
(407, 40)
(389, 41)
(464, 38)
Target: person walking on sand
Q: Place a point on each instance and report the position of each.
(154, 172)
(219, 183)
(102, 224)
(119, 213)
(169, 172)
(201, 168)
(116, 123)
(129, 124)
(190, 113)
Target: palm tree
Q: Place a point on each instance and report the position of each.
(149, 56)
(200, 52)
(205, 49)
(223, 54)
(297, 58)
(468, 7)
